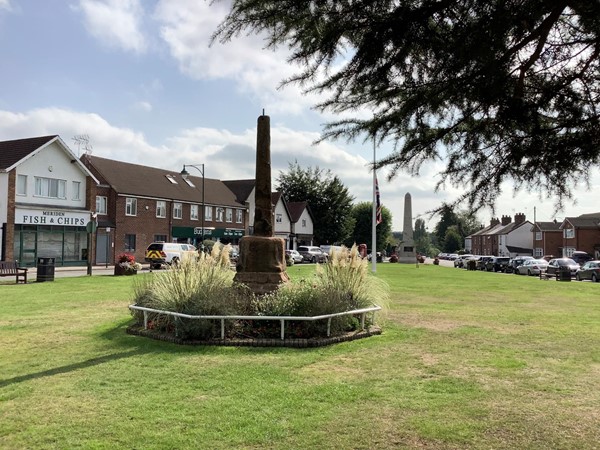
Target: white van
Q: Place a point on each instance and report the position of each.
(159, 253)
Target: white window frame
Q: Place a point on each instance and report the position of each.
(568, 251)
(194, 212)
(220, 213)
(239, 216)
(101, 205)
(539, 252)
(21, 188)
(569, 233)
(229, 215)
(208, 213)
(130, 206)
(161, 209)
(538, 235)
(50, 188)
(76, 191)
(177, 210)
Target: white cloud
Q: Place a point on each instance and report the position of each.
(5, 4)
(115, 23)
(142, 106)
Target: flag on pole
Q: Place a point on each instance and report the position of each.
(378, 211)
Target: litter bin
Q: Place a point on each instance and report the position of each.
(45, 269)
(564, 274)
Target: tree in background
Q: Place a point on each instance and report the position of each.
(362, 214)
(448, 218)
(328, 198)
(452, 240)
(501, 90)
(421, 237)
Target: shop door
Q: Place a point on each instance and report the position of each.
(28, 248)
(102, 248)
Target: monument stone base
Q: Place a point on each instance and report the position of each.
(261, 264)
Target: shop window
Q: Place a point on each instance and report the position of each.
(194, 212)
(21, 184)
(208, 213)
(50, 188)
(229, 215)
(177, 210)
(129, 243)
(131, 206)
(239, 215)
(101, 205)
(161, 208)
(220, 212)
(76, 190)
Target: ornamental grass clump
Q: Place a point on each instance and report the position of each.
(195, 286)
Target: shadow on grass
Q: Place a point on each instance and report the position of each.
(72, 367)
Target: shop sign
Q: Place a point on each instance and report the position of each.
(51, 217)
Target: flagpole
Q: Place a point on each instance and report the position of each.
(374, 221)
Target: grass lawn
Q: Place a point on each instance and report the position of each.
(466, 360)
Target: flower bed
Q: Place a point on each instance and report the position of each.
(126, 265)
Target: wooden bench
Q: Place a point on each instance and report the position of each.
(10, 269)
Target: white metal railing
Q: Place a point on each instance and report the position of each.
(282, 319)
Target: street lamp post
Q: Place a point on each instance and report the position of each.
(185, 174)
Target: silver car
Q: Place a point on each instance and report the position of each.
(532, 267)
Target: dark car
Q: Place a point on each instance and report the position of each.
(482, 262)
(589, 271)
(497, 264)
(581, 257)
(516, 262)
(557, 265)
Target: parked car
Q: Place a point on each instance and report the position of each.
(532, 267)
(460, 261)
(581, 257)
(589, 271)
(297, 257)
(482, 262)
(497, 264)
(516, 262)
(159, 253)
(556, 265)
(311, 253)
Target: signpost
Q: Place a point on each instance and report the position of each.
(90, 228)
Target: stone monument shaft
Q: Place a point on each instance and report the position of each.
(263, 212)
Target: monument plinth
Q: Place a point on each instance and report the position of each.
(261, 264)
(407, 253)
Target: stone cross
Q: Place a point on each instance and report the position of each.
(263, 212)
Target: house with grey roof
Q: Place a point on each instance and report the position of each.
(547, 239)
(46, 202)
(137, 205)
(581, 233)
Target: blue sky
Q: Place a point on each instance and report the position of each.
(139, 77)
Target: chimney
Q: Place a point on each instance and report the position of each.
(506, 220)
(494, 222)
(519, 218)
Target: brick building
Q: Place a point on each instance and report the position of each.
(137, 205)
(47, 198)
(504, 237)
(547, 239)
(581, 233)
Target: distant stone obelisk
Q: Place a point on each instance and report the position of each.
(407, 253)
(261, 265)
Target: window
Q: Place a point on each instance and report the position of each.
(50, 187)
(160, 238)
(177, 211)
(539, 252)
(303, 223)
(278, 218)
(161, 208)
(569, 233)
(239, 216)
(568, 251)
(131, 206)
(76, 190)
(208, 213)
(189, 182)
(220, 212)
(101, 204)
(21, 184)
(538, 235)
(129, 242)
(194, 212)
(171, 179)
(229, 215)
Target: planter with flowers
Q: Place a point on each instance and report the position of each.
(126, 265)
